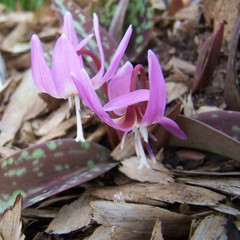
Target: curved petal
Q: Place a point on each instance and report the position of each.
(64, 61)
(116, 58)
(90, 98)
(84, 42)
(128, 99)
(158, 93)
(69, 30)
(98, 76)
(172, 127)
(41, 73)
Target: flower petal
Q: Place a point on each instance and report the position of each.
(98, 76)
(41, 73)
(157, 100)
(69, 30)
(64, 61)
(128, 99)
(120, 83)
(116, 59)
(172, 127)
(90, 98)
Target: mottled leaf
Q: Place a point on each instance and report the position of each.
(43, 170)
(202, 136)
(139, 14)
(83, 24)
(232, 83)
(225, 121)
(207, 59)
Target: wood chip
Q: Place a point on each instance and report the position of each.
(141, 218)
(134, 192)
(182, 193)
(156, 174)
(226, 185)
(10, 224)
(227, 210)
(211, 227)
(72, 217)
(157, 231)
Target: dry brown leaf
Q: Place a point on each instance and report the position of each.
(110, 233)
(134, 192)
(182, 193)
(14, 41)
(226, 185)
(10, 224)
(157, 231)
(71, 217)
(24, 104)
(156, 174)
(175, 90)
(140, 218)
(211, 227)
(59, 131)
(220, 10)
(53, 120)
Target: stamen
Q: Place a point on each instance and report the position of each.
(80, 136)
(144, 132)
(140, 151)
(150, 152)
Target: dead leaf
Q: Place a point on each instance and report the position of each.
(71, 217)
(24, 104)
(10, 224)
(156, 174)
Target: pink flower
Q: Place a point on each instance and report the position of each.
(135, 109)
(56, 81)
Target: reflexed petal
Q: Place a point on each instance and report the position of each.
(116, 58)
(84, 42)
(41, 73)
(90, 98)
(157, 100)
(98, 76)
(69, 30)
(172, 127)
(65, 60)
(128, 99)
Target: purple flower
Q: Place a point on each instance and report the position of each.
(56, 81)
(135, 109)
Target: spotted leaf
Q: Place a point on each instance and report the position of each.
(138, 13)
(227, 122)
(83, 24)
(232, 83)
(204, 137)
(45, 169)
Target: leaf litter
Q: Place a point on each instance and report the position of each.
(197, 194)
